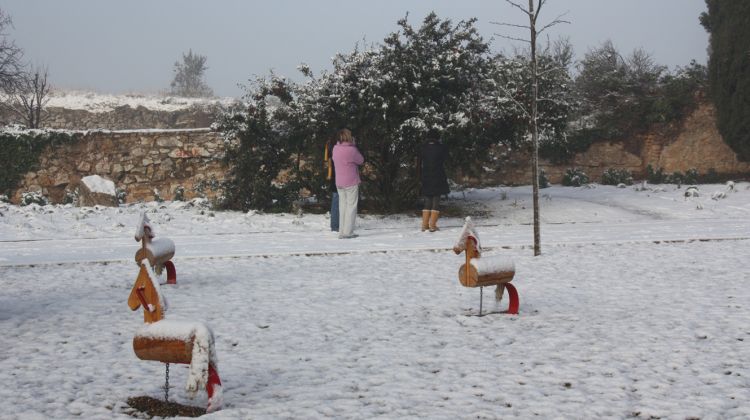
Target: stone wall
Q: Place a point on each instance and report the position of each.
(696, 144)
(125, 118)
(144, 161)
(139, 162)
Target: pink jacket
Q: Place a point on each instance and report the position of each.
(346, 160)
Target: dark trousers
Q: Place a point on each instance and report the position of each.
(432, 202)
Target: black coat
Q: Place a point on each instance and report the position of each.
(434, 180)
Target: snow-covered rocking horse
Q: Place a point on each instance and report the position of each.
(489, 271)
(158, 252)
(172, 341)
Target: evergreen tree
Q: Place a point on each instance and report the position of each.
(728, 23)
(188, 78)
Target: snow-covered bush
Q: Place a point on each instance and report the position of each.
(543, 180)
(613, 176)
(691, 176)
(33, 197)
(179, 193)
(71, 197)
(692, 191)
(574, 177)
(655, 176)
(121, 195)
(4, 198)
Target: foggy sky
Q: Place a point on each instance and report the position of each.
(131, 45)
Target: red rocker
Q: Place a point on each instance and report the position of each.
(489, 271)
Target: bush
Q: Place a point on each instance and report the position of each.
(691, 176)
(574, 177)
(617, 176)
(33, 197)
(655, 176)
(121, 195)
(677, 177)
(179, 193)
(543, 180)
(71, 197)
(711, 177)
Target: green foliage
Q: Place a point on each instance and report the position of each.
(613, 176)
(623, 96)
(711, 177)
(33, 197)
(655, 176)
(543, 180)
(256, 153)
(179, 193)
(691, 176)
(574, 177)
(121, 195)
(20, 152)
(729, 70)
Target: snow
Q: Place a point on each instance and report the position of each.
(98, 102)
(97, 184)
(203, 347)
(637, 307)
(493, 264)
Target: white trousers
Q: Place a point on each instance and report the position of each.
(348, 200)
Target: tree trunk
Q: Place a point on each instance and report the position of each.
(534, 131)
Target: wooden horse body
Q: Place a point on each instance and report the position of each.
(170, 341)
(489, 271)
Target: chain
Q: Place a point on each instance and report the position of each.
(166, 385)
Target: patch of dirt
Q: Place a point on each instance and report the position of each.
(153, 408)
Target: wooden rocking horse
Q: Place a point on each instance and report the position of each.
(158, 252)
(489, 271)
(169, 341)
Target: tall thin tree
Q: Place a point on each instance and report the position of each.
(532, 109)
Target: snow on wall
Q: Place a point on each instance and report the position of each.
(97, 184)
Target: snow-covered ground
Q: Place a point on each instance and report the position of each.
(639, 307)
(99, 102)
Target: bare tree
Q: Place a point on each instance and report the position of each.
(532, 111)
(30, 96)
(11, 56)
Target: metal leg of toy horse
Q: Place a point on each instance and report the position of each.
(513, 303)
(171, 272)
(481, 295)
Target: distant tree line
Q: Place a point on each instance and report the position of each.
(441, 76)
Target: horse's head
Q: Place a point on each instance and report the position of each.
(143, 229)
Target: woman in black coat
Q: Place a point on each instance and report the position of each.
(434, 181)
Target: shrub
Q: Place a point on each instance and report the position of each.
(655, 176)
(71, 197)
(543, 180)
(33, 197)
(121, 195)
(574, 177)
(711, 177)
(677, 177)
(691, 176)
(617, 176)
(179, 193)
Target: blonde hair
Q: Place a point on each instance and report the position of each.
(344, 136)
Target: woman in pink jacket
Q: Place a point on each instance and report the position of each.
(347, 159)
